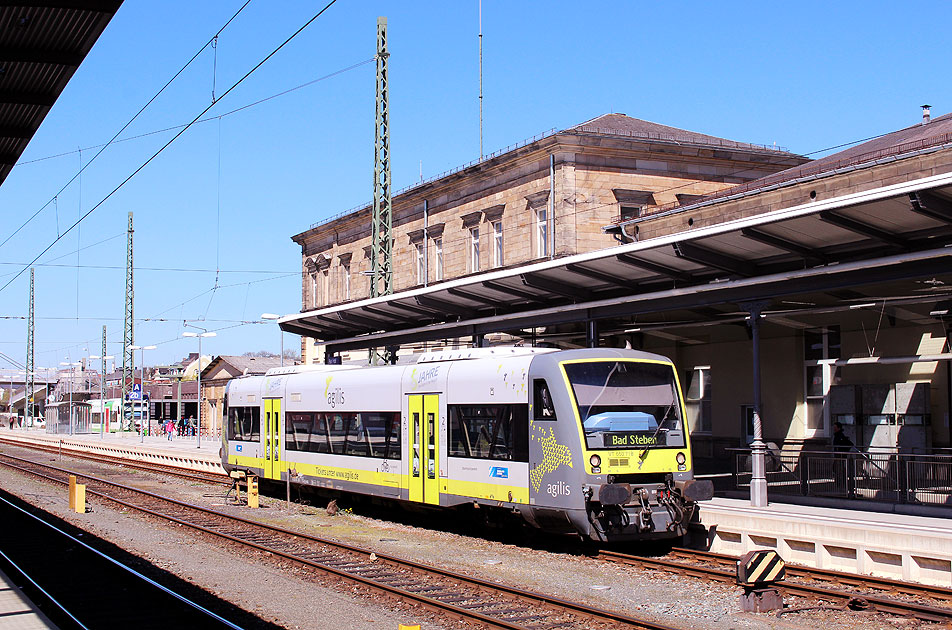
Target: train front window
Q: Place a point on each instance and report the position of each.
(626, 404)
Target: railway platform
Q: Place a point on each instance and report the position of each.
(898, 546)
(182, 452)
(17, 612)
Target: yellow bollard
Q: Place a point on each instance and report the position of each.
(252, 491)
(72, 492)
(80, 501)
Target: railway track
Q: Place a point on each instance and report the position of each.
(165, 469)
(822, 584)
(448, 594)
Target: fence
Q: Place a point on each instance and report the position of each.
(874, 476)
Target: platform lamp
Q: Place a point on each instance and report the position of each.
(273, 317)
(102, 393)
(141, 350)
(204, 333)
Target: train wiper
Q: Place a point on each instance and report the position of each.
(644, 452)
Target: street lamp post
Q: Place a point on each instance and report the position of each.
(142, 413)
(204, 333)
(273, 317)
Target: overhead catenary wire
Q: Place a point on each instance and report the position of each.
(170, 141)
(210, 118)
(124, 127)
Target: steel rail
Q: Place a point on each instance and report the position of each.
(877, 603)
(178, 471)
(911, 589)
(442, 607)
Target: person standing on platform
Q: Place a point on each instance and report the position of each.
(842, 444)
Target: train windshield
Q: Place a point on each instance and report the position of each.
(626, 404)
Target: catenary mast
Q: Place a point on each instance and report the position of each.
(30, 364)
(381, 254)
(128, 334)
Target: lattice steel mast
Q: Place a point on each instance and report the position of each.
(128, 333)
(381, 254)
(30, 365)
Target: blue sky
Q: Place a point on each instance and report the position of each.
(230, 193)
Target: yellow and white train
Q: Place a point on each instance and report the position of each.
(576, 441)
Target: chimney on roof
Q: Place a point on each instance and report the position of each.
(925, 113)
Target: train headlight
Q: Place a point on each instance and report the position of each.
(595, 461)
(680, 458)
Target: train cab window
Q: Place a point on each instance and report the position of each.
(542, 406)
(625, 404)
(244, 424)
(489, 432)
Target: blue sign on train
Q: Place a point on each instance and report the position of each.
(499, 471)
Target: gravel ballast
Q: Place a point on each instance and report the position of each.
(293, 598)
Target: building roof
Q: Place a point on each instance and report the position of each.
(42, 45)
(620, 124)
(922, 136)
(236, 366)
(608, 125)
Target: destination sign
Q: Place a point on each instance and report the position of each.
(633, 439)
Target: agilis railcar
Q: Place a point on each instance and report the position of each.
(591, 442)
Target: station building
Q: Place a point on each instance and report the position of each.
(622, 232)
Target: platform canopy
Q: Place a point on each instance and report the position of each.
(886, 246)
(42, 44)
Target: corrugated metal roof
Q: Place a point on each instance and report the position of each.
(41, 46)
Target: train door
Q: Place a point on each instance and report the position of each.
(423, 439)
(272, 438)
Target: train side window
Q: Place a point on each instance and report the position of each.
(542, 406)
(244, 424)
(297, 431)
(337, 432)
(489, 431)
(357, 443)
(520, 433)
(393, 437)
(320, 439)
(253, 424)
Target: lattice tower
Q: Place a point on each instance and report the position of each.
(30, 363)
(128, 333)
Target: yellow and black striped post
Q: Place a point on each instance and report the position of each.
(760, 567)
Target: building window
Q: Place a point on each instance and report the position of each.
(325, 288)
(697, 399)
(420, 267)
(631, 212)
(542, 232)
(314, 298)
(345, 269)
(497, 244)
(438, 246)
(474, 249)
(820, 349)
